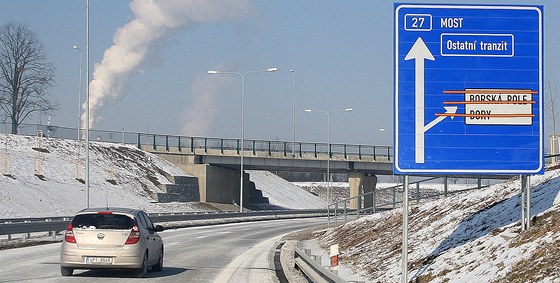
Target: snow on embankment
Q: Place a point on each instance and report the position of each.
(283, 193)
(471, 237)
(120, 175)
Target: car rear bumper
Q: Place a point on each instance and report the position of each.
(73, 257)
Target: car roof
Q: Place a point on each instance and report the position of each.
(111, 209)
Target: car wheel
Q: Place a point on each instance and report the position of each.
(141, 272)
(159, 265)
(66, 271)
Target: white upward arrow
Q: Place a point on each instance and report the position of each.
(448, 110)
(419, 52)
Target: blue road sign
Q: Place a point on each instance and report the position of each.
(468, 89)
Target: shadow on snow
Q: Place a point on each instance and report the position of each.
(498, 215)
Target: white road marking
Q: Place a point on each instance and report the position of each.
(226, 275)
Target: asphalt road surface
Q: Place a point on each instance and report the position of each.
(237, 252)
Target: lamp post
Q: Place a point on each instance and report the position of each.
(87, 104)
(79, 95)
(293, 112)
(329, 149)
(242, 152)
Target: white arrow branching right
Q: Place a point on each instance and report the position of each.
(448, 110)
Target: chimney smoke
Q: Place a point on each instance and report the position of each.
(154, 21)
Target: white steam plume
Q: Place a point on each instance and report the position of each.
(154, 19)
(200, 117)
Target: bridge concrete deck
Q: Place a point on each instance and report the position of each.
(279, 161)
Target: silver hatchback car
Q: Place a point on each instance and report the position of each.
(112, 238)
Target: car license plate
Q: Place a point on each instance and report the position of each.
(98, 260)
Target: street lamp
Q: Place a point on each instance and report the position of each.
(242, 152)
(328, 150)
(293, 112)
(87, 103)
(328, 144)
(79, 94)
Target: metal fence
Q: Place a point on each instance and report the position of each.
(163, 142)
(391, 197)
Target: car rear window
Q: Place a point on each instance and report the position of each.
(102, 221)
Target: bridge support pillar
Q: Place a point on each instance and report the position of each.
(369, 183)
(355, 182)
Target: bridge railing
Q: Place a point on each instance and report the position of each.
(185, 143)
(213, 145)
(271, 148)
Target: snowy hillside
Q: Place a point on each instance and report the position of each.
(44, 181)
(283, 193)
(471, 237)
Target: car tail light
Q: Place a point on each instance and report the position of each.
(134, 236)
(69, 234)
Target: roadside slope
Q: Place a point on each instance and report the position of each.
(471, 237)
(42, 181)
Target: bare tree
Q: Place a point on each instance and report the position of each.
(25, 74)
(550, 105)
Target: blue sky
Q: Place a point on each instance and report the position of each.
(341, 52)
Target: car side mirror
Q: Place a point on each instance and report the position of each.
(158, 228)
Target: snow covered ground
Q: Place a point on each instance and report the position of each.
(284, 194)
(45, 181)
(471, 237)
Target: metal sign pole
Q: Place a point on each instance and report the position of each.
(405, 232)
(522, 180)
(528, 202)
(525, 202)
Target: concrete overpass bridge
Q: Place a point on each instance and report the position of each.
(216, 162)
(272, 155)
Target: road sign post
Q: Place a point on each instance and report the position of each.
(525, 202)
(404, 278)
(481, 66)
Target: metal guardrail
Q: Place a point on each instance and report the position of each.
(32, 225)
(313, 269)
(190, 144)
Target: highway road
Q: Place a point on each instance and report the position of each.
(237, 252)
